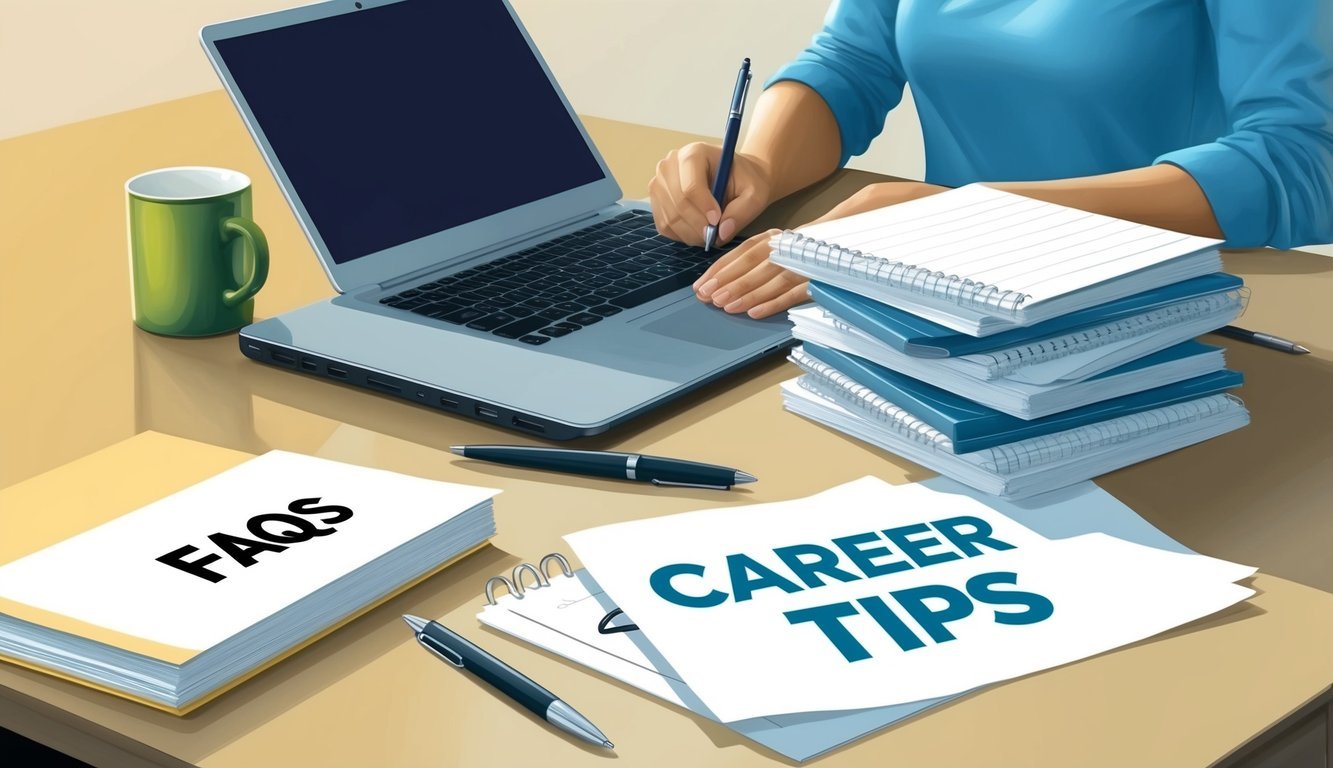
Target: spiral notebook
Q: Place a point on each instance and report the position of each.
(1050, 363)
(981, 261)
(1069, 348)
(1014, 470)
(1016, 397)
(560, 610)
(972, 426)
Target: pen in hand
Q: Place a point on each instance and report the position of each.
(458, 651)
(729, 138)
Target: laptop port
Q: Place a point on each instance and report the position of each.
(387, 386)
(487, 411)
(531, 426)
(282, 357)
(309, 365)
(448, 403)
(337, 372)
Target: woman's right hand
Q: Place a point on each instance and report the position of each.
(682, 193)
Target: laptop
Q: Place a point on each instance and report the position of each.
(484, 261)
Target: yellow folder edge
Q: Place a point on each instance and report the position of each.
(251, 673)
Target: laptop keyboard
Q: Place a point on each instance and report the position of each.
(563, 285)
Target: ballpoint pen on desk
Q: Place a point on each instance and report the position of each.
(1262, 339)
(628, 466)
(729, 138)
(458, 651)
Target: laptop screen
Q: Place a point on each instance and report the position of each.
(397, 122)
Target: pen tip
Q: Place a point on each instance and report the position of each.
(710, 237)
(1300, 350)
(460, 450)
(745, 477)
(415, 622)
(608, 745)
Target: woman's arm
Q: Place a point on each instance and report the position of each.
(1161, 195)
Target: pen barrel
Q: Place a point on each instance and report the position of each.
(608, 464)
(677, 471)
(729, 138)
(494, 672)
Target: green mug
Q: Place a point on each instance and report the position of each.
(197, 259)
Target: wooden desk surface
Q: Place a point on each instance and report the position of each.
(82, 376)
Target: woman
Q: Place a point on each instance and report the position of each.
(1213, 117)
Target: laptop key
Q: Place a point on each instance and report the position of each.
(434, 307)
(491, 322)
(585, 318)
(605, 310)
(569, 307)
(555, 332)
(465, 315)
(521, 328)
(533, 340)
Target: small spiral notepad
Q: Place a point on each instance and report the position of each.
(979, 260)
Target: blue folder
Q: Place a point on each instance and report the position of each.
(972, 426)
(915, 336)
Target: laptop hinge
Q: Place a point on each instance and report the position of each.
(537, 235)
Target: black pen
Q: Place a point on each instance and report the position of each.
(729, 137)
(629, 466)
(1262, 339)
(457, 650)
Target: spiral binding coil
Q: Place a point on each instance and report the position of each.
(1012, 457)
(1003, 362)
(954, 289)
(836, 387)
(541, 573)
(865, 399)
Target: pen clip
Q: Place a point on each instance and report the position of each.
(447, 654)
(692, 485)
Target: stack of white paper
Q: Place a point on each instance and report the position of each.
(171, 602)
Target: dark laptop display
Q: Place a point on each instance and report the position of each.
(437, 113)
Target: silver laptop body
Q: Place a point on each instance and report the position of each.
(422, 142)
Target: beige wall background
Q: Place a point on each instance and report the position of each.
(667, 63)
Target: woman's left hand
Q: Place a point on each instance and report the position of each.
(744, 280)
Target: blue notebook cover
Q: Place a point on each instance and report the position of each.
(972, 426)
(915, 336)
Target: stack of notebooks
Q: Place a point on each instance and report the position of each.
(166, 571)
(1015, 345)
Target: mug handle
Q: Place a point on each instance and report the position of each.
(256, 258)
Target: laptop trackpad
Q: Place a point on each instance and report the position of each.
(711, 327)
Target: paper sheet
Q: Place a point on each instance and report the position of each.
(988, 613)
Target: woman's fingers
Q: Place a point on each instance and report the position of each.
(681, 192)
(797, 292)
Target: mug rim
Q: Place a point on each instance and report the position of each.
(243, 178)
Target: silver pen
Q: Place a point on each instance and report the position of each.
(458, 651)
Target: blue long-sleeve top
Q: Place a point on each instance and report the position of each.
(1238, 93)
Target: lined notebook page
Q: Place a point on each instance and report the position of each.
(1012, 242)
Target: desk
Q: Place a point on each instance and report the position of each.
(81, 377)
